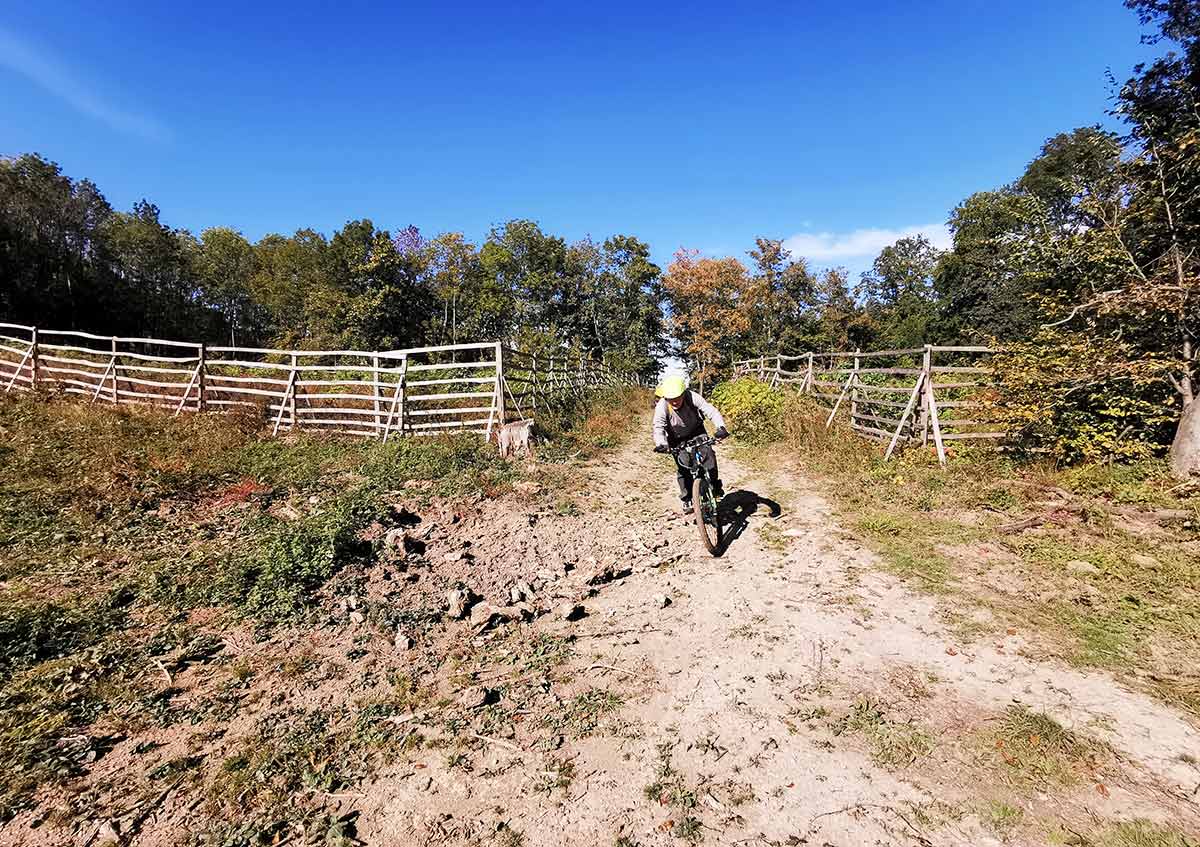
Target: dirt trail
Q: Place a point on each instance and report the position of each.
(733, 690)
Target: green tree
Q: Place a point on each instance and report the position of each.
(54, 259)
(154, 263)
(898, 292)
(225, 265)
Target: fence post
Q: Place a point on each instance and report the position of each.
(375, 389)
(500, 382)
(533, 388)
(116, 397)
(33, 360)
(926, 361)
(295, 391)
(808, 379)
(404, 395)
(201, 382)
(854, 389)
(762, 367)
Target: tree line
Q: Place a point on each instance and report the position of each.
(1086, 268)
(68, 260)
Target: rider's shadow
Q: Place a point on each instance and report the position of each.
(737, 507)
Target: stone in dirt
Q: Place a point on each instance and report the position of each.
(570, 611)
(108, 833)
(1144, 561)
(1080, 566)
(403, 641)
(458, 600)
(661, 601)
(486, 616)
(401, 541)
(607, 573)
(357, 617)
(527, 487)
(521, 592)
(474, 697)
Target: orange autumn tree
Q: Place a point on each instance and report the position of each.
(711, 301)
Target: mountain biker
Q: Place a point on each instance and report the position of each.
(679, 416)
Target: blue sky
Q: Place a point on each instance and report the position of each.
(837, 126)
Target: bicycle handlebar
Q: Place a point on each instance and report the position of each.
(698, 441)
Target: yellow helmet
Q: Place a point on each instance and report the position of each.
(671, 387)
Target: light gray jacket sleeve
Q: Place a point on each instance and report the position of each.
(660, 424)
(708, 410)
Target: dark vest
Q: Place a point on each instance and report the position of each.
(685, 423)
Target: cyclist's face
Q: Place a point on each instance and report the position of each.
(676, 402)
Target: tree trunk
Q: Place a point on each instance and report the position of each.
(1185, 449)
(1185, 454)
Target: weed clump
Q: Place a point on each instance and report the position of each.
(1039, 751)
(892, 743)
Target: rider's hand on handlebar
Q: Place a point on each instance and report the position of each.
(661, 448)
(721, 433)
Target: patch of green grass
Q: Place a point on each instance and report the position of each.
(1144, 833)
(669, 787)
(583, 714)
(557, 775)
(1002, 818)
(688, 829)
(43, 706)
(923, 566)
(887, 526)
(1038, 752)
(892, 743)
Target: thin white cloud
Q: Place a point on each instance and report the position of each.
(48, 72)
(860, 243)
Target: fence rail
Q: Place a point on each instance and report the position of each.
(417, 391)
(895, 396)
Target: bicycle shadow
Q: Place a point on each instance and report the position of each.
(736, 508)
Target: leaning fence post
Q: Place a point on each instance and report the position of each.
(854, 389)
(295, 390)
(926, 360)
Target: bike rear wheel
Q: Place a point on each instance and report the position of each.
(710, 533)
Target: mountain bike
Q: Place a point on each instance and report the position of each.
(704, 502)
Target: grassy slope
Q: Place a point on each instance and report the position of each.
(119, 526)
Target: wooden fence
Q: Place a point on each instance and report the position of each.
(919, 395)
(417, 391)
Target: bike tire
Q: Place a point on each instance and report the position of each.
(709, 536)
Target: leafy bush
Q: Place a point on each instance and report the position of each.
(276, 576)
(1084, 399)
(36, 633)
(753, 410)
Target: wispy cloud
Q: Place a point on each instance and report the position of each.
(860, 243)
(45, 70)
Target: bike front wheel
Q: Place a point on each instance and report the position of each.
(707, 517)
